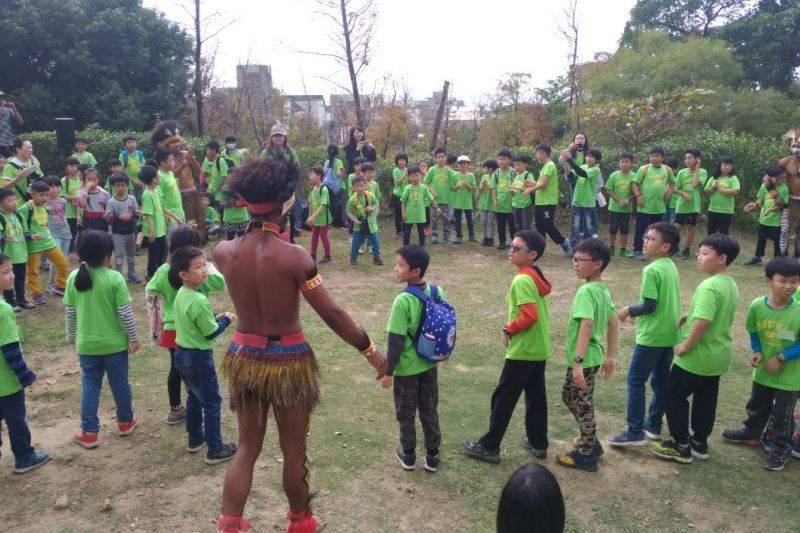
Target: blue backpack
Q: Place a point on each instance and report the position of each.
(436, 335)
(330, 179)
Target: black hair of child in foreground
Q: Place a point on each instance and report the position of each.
(531, 502)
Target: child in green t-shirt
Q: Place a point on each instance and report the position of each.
(528, 348)
(545, 193)
(196, 327)
(414, 203)
(232, 152)
(462, 194)
(485, 202)
(70, 186)
(100, 322)
(522, 200)
(84, 157)
(357, 162)
(722, 189)
(13, 239)
(703, 355)
(415, 380)
(132, 162)
(593, 317)
(670, 196)
(689, 182)
(650, 187)
(319, 217)
(440, 180)
(399, 182)
(584, 179)
(362, 209)
(773, 323)
(213, 223)
(657, 317)
(772, 198)
(620, 204)
(154, 225)
(15, 377)
(502, 195)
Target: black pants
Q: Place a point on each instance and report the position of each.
(643, 221)
(503, 220)
(765, 233)
(73, 228)
(519, 376)
(420, 231)
(156, 252)
(173, 382)
(397, 205)
(776, 407)
(468, 214)
(418, 393)
(719, 223)
(704, 391)
(17, 296)
(545, 219)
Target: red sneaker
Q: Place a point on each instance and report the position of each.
(87, 439)
(303, 522)
(127, 428)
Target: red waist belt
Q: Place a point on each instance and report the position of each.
(254, 340)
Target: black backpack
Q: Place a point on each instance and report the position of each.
(32, 177)
(19, 217)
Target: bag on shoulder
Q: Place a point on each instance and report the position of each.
(436, 334)
(330, 179)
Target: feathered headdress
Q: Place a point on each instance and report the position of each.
(166, 131)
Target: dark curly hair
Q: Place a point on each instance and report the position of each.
(264, 180)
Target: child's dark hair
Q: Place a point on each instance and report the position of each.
(4, 259)
(183, 236)
(774, 170)
(505, 153)
(672, 162)
(452, 159)
(416, 256)
(438, 151)
(367, 166)
(596, 249)
(118, 177)
(414, 169)
(722, 244)
(656, 149)
(627, 155)
(597, 154)
(147, 174)
(213, 144)
(722, 161)
(317, 170)
(88, 169)
(358, 179)
(788, 267)
(531, 501)
(161, 156)
(94, 248)
(230, 138)
(544, 147)
(72, 161)
(398, 157)
(52, 181)
(179, 262)
(535, 243)
(694, 152)
(40, 186)
(359, 160)
(333, 151)
(128, 138)
(491, 164)
(669, 235)
(83, 140)
(113, 163)
(522, 158)
(5, 192)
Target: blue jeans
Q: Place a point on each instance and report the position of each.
(358, 238)
(594, 223)
(653, 363)
(203, 400)
(581, 224)
(12, 410)
(115, 366)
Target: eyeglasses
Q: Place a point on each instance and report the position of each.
(517, 249)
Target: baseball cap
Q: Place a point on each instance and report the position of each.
(278, 129)
(462, 159)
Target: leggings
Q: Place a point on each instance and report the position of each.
(317, 233)
(468, 214)
(643, 221)
(17, 296)
(420, 232)
(546, 223)
(173, 382)
(398, 214)
(488, 224)
(719, 223)
(156, 252)
(73, 228)
(504, 219)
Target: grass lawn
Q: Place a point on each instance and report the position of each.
(154, 485)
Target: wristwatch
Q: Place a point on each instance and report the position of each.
(578, 359)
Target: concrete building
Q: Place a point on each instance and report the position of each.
(311, 104)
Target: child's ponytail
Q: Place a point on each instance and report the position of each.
(94, 249)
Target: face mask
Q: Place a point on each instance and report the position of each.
(231, 146)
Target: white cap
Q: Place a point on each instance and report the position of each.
(462, 159)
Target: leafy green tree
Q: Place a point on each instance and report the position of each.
(681, 18)
(110, 62)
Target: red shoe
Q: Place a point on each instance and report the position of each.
(232, 524)
(87, 439)
(127, 428)
(303, 522)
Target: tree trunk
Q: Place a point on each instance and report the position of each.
(439, 113)
(198, 71)
(350, 67)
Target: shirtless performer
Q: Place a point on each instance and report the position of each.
(791, 165)
(269, 364)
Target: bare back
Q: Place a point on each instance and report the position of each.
(791, 165)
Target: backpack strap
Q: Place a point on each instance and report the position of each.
(30, 213)
(419, 293)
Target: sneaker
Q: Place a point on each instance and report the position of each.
(638, 256)
(232, 524)
(598, 447)
(52, 289)
(795, 446)
(459, 240)
(766, 441)
(87, 439)
(739, 436)
(127, 428)
(624, 252)
(450, 241)
(699, 450)
(325, 260)
(431, 462)
(577, 460)
(502, 246)
(651, 434)
(134, 278)
(27, 305)
(539, 454)
(686, 254)
(476, 450)
(407, 461)
(485, 242)
(225, 453)
(176, 416)
(626, 439)
(39, 300)
(669, 449)
(353, 262)
(567, 249)
(17, 309)
(34, 461)
(773, 461)
(434, 240)
(376, 260)
(490, 243)
(195, 447)
(753, 261)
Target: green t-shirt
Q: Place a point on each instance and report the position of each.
(404, 320)
(170, 194)
(652, 188)
(532, 344)
(319, 197)
(375, 189)
(37, 225)
(462, 198)
(151, 206)
(70, 187)
(14, 245)
(160, 284)
(9, 172)
(132, 164)
(212, 215)
(441, 179)
(585, 192)
(592, 301)
(714, 300)
(620, 184)
(237, 156)
(777, 329)
(85, 158)
(9, 332)
(399, 180)
(501, 181)
(549, 194)
(722, 203)
(684, 182)
(660, 282)
(194, 320)
(520, 200)
(357, 206)
(770, 213)
(416, 198)
(350, 183)
(485, 193)
(235, 215)
(215, 176)
(100, 330)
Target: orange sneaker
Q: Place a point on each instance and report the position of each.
(232, 524)
(127, 428)
(87, 439)
(303, 522)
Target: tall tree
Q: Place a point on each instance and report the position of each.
(570, 31)
(682, 18)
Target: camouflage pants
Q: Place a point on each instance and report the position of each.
(444, 219)
(581, 404)
(419, 392)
